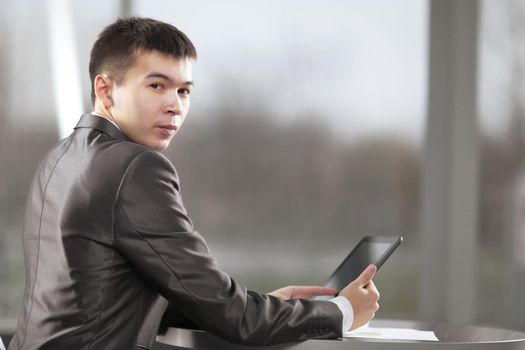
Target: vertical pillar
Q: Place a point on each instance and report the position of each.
(451, 172)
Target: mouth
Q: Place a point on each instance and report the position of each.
(168, 129)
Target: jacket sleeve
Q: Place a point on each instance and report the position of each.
(154, 233)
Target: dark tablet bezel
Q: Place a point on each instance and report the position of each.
(394, 242)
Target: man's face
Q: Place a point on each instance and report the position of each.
(152, 101)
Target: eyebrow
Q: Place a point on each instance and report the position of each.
(165, 77)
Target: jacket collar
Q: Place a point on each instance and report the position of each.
(101, 124)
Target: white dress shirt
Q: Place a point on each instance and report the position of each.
(348, 312)
(109, 120)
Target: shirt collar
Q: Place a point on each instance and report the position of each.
(100, 115)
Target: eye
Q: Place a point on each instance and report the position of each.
(184, 91)
(156, 86)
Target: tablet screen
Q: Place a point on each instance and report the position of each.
(366, 253)
(370, 250)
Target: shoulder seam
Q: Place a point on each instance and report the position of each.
(39, 233)
(166, 265)
(117, 195)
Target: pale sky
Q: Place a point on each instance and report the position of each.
(360, 64)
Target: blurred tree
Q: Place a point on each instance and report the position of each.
(247, 177)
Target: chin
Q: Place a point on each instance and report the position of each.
(155, 144)
(160, 146)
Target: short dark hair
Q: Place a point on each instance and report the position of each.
(117, 46)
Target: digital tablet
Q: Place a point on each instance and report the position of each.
(370, 250)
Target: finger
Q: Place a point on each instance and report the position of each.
(281, 293)
(309, 291)
(371, 287)
(367, 275)
(323, 290)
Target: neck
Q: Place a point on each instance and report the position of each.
(103, 112)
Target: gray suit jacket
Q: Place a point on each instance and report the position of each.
(108, 242)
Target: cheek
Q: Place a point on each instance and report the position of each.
(186, 107)
(125, 102)
(150, 103)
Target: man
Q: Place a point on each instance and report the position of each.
(107, 241)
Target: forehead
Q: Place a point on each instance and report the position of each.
(153, 61)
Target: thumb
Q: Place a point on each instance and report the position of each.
(367, 275)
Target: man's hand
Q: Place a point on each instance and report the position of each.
(363, 296)
(302, 292)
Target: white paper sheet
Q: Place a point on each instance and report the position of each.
(391, 334)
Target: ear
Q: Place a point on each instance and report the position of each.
(103, 89)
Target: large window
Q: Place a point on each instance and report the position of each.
(27, 130)
(304, 135)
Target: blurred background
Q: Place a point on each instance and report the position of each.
(313, 123)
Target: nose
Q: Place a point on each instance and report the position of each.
(174, 104)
